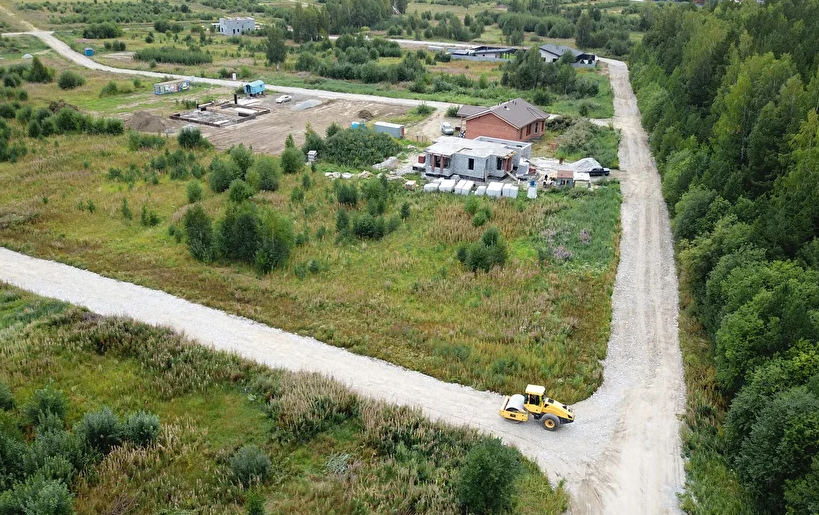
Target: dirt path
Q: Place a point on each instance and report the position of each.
(623, 453)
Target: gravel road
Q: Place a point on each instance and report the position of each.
(623, 453)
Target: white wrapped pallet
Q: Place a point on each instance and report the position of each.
(481, 191)
(467, 187)
(511, 191)
(446, 186)
(430, 187)
(495, 189)
(460, 186)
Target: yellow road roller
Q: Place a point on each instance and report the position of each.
(518, 407)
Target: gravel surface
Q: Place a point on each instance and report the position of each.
(622, 455)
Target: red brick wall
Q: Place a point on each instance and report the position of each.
(493, 127)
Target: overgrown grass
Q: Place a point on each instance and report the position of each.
(351, 456)
(542, 318)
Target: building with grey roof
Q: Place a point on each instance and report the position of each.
(481, 159)
(551, 53)
(236, 26)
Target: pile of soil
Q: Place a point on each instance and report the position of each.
(144, 121)
(366, 115)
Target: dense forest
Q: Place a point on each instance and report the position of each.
(729, 95)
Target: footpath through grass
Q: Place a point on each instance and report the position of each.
(331, 451)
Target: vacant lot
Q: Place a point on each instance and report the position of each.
(349, 457)
(268, 132)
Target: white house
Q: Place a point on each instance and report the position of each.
(235, 26)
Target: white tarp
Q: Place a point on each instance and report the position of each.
(430, 187)
(481, 191)
(584, 165)
(460, 186)
(510, 190)
(446, 186)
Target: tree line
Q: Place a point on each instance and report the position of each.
(729, 95)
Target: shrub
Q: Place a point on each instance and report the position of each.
(342, 221)
(486, 481)
(38, 496)
(222, 174)
(38, 72)
(141, 428)
(199, 233)
(254, 504)
(471, 205)
(104, 30)
(297, 195)
(6, 398)
(70, 80)
(173, 55)
(347, 194)
(148, 217)
(191, 137)
(194, 191)
(405, 211)
(109, 90)
(137, 141)
(292, 160)
(100, 430)
(250, 465)
(484, 255)
(367, 226)
(239, 191)
(479, 219)
(424, 109)
(359, 147)
(239, 233)
(452, 111)
(268, 172)
(34, 129)
(7, 111)
(242, 157)
(44, 401)
(277, 242)
(125, 210)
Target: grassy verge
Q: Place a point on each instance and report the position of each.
(350, 456)
(711, 485)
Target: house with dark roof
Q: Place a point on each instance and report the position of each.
(551, 53)
(515, 120)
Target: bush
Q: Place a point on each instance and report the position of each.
(359, 147)
(6, 398)
(43, 402)
(109, 90)
(347, 194)
(452, 111)
(268, 172)
(137, 141)
(277, 241)
(199, 233)
(70, 80)
(191, 137)
(250, 465)
(239, 191)
(486, 481)
(405, 211)
(148, 217)
(485, 254)
(38, 496)
(239, 233)
(242, 157)
(34, 129)
(367, 226)
(141, 428)
(174, 55)
(100, 430)
(194, 191)
(222, 174)
(105, 30)
(292, 160)
(38, 72)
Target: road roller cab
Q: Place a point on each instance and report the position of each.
(534, 401)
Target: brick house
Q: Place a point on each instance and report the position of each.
(480, 159)
(515, 120)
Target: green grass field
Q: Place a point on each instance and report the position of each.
(542, 318)
(348, 458)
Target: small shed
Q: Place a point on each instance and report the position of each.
(254, 88)
(393, 129)
(582, 180)
(564, 178)
(171, 86)
(89, 51)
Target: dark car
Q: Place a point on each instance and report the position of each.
(599, 171)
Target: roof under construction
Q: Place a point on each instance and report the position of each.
(450, 145)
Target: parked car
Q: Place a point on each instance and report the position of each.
(446, 128)
(597, 172)
(284, 98)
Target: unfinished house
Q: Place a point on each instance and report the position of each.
(480, 159)
(236, 26)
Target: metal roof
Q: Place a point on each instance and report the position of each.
(559, 50)
(256, 83)
(517, 113)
